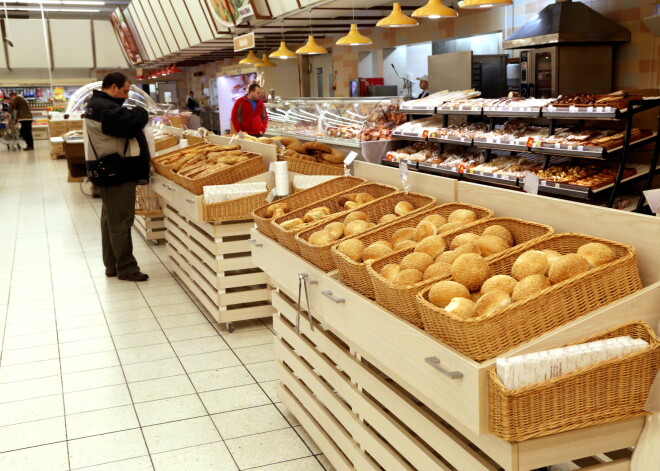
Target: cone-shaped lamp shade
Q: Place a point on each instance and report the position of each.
(397, 19)
(266, 62)
(283, 53)
(434, 9)
(474, 4)
(354, 38)
(250, 59)
(312, 47)
(175, 70)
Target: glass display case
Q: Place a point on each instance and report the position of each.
(338, 121)
(136, 96)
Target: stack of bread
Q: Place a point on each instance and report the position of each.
(311, 151)
(199, 162)
(473, 292)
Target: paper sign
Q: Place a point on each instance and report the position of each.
(530, 142)
(653, 198)
(241, 135)
(531, 183)
(425, 134)
(278, 143)
(350, 157)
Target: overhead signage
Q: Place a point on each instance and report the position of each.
(232, 12)
(244, 42)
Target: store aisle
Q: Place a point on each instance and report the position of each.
(100, 374)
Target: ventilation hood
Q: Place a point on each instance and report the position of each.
(566, 22)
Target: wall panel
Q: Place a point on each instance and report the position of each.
(72, 35)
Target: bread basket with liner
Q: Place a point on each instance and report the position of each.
(608, 391)
(402, 300)
(165, 170)
(307, 167)
(321, 256)
(169, 141)
(235, 173)
(354, 274)
(233, 210)
(286, 237)
(303, 198)
(489, 336)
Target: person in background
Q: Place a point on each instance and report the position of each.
(192, 104)
(113, 129)
(249, 113)
(24, 116)
(424, 85)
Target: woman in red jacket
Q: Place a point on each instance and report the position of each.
(249, 113)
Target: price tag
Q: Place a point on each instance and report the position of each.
(530, 142)
(653, 198)
(608, 109)
(531, 183)
(489, 140)
(425, 134)
(599, 109)
(580, 148)
(544, 182)
(350, 157)
(590, 109)
(557, 145)
(570, 147)
(462, 139)
(434, 165)
(572, 109)
(498, 140)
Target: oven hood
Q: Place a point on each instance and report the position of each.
(566, 22)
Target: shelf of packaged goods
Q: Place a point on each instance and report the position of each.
(489, 177)
(454, 140)
(512, 112)
(582, 113)
(325, 140)
(437, 169)
(497, 144)
(459, 111)
(412, 164)
(419, 110)
(409, 136)
(599, 153)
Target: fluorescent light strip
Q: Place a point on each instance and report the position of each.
(57, 2)
(64, 10)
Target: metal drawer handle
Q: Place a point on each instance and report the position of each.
(303, 282)
(190, 200)
(170, 188)
(435, 363)
(328, 294)
(164, 184)
(308, 279)
(255, 243)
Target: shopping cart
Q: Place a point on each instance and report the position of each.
(9, 135)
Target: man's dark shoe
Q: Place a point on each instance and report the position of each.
(139, 276)
(110, 273)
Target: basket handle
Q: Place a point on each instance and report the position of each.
(435, 363)
(328, 294)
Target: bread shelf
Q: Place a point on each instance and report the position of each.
(457, 141)
(511, 112)
(326, 140)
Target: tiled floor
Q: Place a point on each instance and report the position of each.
(100, 374)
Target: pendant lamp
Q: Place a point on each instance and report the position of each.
(475, 4)
(266, 62)
(175, 70)
(312, 47)
(397, 19)
(283, 52)
(250, 59)
(354, 38)
(434, 9)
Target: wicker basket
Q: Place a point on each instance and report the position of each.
(608, 391)
(305, 198)
(321, 255)
(287, 237)
(240, 171)
(148, 202)
(233, 210)
(165, 170)
(486, 337)
(354, 274)
(166, 143)
(192, 140)
(307, 167)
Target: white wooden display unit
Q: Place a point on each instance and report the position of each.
(375, 392)
(151, 228)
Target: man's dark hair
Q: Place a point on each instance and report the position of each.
(12, 93)
(192, 93)
(114, 78)
(253, 87)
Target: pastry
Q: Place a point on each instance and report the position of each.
(336, 230)
(437, 220)
(491, 302)
(292, 223)
(529, 286)
(403, 207)
(287, 141)
(278, 214)
(356, 215)
(423, 230)
(352, 248)
(501, 232)
(463, 239)
(334, 157)
(491, 244)
(462, 216)
(418, 261)
(596, 254)
(351, 205)
(504, 283)
(375, 251)
(326, 149)
(443, 292)
(270, 210)
(432, 246)
(390, 271)
(567, 266)
(406, 233)
(461, 307)
(355, 227)
(532, 262)
(300, 148)
(470, 270)
(387, 218)
(407, 277)
(320, 238)
(437, 270)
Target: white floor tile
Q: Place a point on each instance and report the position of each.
(28, 434)
(37, 369)
(92, 379)
(86, 347)
(180, 434)
(241, 397)
(139, 339)
(92, 361)
(52, 457)
(250, 421)
(153, 369)
(29, 410)
(29, 340)
(133, 355)
(95, 399)
(210, 457)
(83, 333)
(263, 372)
(190, 332)
(134, 326)
(87, 424)
(303, 464)
(203, 345)
(182, 320)
(143, 463)
(249, 338)
(81, 321)
(174, 309)
(221, 379)
(30, 328)
(168, 410)
(30, 388)
(209, 361)
(129, 315)
(106, 448)
(267, 448)
(256, 354)
(162, 388)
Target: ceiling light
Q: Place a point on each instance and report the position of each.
(175, 70)
(250, 59)
(434, 9)
(354, 38)
(474, 4)
(311, 48)
(283, 53)
(397, 19)
(62, 10)
(266, 62)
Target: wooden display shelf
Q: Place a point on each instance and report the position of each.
(151, 228)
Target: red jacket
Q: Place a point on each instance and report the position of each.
(245, 119)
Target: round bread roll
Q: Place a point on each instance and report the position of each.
(270, 210)
(532, 262)
(352, 248)
(433, 246)
(461, 239)
(461, 307)
(596, 254)
(320, 238)
(387, 218)
(336, 229)
(567, 266)
(443, 292)
(404, 244)
(405, 233)
(552, 255)
(462, 216)
(351, 205)
(417, 260)
(499, 231)
(355, 216)
(476, 296)
(314, 215)
(449, 256)
(504, 283)
(390, 271)
(375, 251)
(436, 270)
(278, 213)
(470, 270)
(407, 277)
(403, 207)
(292, 223)
(491, 302)
(363, 198)
(529, 286)
(468, 247)
(437, 220)
(423, 230)
(326, 149)
(450, 226)
(491, 244)
(385, 243)
(355, 227)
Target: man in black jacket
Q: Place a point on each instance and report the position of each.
(111, 129)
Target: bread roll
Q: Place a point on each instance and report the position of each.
(461, 239)
(355, 227)
(437, 270)
(504, 283)
(450, 226)
(403, 207)
(423, 230)
(355, 216)
(385, 243)
(404, 244)
(314, 215)
(405, 233)
(596, 254)
(390, 271)
(363, 198)
(470, 270)
(432, 246)
(320, 238)
(416, 260)
(462, 216)
(443, 292)
(449, 256)
(529, 286)
(468, 247)
(292, 223)
(461, 307)
(552, 255)
(407, 277)
(476, 296)
(336, 229)
(501, 232)
(387, 218)
(437, 220)
(270, 210)
(491, 244)
(566, 267)
(278, 213)
(352, 248)
(491, 302)
(375, 251)
(532, 262)
(351, 205)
